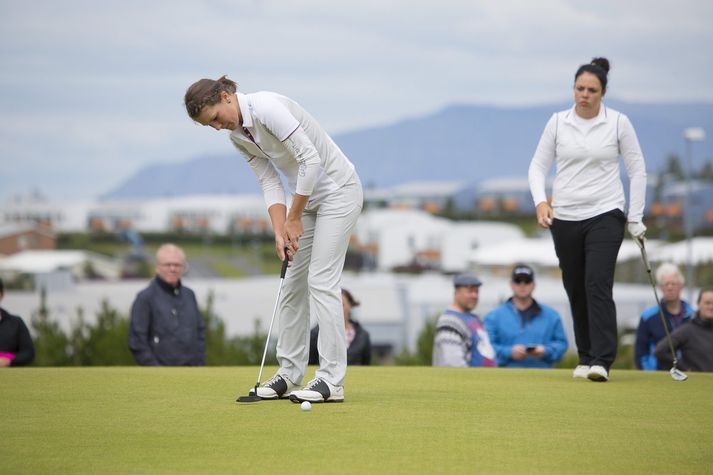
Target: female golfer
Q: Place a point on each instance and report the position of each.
(586, 216)
(274, 133)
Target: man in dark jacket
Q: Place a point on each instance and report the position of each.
(694, 339)
(166, 327)
(16, 348)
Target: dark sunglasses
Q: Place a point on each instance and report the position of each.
(522, 280)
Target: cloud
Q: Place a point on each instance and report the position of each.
(98, 86)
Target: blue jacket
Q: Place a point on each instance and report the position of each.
(506, 328)
(651, 331)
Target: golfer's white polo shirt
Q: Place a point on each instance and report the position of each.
(268, 120)
(587, 182)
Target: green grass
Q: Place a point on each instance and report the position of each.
(395, 420)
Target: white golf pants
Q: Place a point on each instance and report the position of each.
(312, 287)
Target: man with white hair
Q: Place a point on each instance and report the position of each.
(651, 330)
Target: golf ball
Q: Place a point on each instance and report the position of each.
(306, 406)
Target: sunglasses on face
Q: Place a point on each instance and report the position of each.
(522, 280)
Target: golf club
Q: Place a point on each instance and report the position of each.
(676, 373)
(252, 395)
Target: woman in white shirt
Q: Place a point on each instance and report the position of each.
(586, 216)
(275, 134)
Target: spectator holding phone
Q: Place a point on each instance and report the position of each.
(523, 332)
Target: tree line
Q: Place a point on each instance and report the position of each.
(105, 341)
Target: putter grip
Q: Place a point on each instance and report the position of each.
(283, 271)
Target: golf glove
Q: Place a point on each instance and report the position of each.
(636, 229)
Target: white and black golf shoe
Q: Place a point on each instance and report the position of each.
(598, 373)
(318, 390)
(581, 371)
(276, 388)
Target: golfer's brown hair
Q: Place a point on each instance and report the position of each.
(206, 92)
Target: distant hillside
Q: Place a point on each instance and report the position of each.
(226, 174)
(472, 143)
(463, 142)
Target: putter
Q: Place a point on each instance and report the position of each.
(252, 395)
(676, 373)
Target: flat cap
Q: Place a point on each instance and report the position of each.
(466, 280)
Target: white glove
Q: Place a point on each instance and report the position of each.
(636, 230)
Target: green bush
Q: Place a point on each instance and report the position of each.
(105, 342)
(423, 356)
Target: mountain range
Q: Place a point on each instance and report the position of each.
(468, 143)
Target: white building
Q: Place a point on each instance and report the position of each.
(402, 237)
(202, 213)
(53, 269)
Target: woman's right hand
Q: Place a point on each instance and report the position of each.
(545, 214)
(280, 245)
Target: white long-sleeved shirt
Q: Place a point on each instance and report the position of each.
(587, 181)
(278, 134)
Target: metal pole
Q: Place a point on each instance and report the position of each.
(688, 223)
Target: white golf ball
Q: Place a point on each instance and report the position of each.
(306, 406)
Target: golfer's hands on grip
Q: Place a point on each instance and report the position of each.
(288, 239)
(545, 214)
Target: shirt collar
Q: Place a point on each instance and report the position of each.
(531, 311)
(163, 285)
(245, 110)
(603, 115)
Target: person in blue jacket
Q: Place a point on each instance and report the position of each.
(650, 330)
(523, 332)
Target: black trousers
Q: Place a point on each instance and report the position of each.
(587, 252)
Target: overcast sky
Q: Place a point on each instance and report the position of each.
(90, 91)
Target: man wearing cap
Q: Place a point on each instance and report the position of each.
(461, 339)
(525, 333)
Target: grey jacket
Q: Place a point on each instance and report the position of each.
(694, 339)
(166, 327)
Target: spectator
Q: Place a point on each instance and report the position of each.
(358, 342)
(166, 327)
(694, 339)
(650, 330)
(523, 332)
(16, 348)
(461, 339)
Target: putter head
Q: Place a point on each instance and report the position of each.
(251, 397)
(678, 375)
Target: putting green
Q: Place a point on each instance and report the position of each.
(394, 420)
